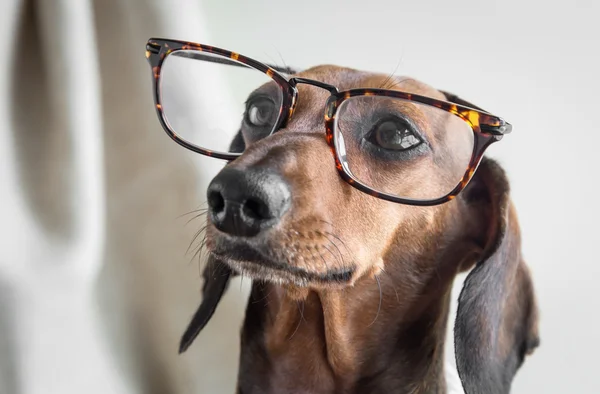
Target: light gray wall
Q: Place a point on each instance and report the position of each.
(533, 62)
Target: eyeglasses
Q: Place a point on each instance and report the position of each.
(393, 145)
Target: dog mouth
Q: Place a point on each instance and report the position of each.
(261, 262)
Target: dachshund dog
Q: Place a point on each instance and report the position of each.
(351, 293)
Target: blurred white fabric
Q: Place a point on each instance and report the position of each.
(95, 286)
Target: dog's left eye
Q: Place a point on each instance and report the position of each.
(261, 112)
(394, 134)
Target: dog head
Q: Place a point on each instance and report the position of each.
(281, 213)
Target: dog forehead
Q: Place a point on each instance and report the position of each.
(344, 78)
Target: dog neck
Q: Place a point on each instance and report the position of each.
(364, 338)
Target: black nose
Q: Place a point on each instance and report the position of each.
(246, 202)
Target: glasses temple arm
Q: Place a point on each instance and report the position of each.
(504, 129)
(222, 60)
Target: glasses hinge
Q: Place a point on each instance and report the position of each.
(153, 48)
(496, 130)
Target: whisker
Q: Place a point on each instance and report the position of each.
(326, 222)
(337, 260)
(325, 233)
(282, 61)
(299, 320)
(200, 266)
(393, 285)
(336, 247)
(196, 217)
(322, 258)
(212, 273)
(194, 238)
(343, 244)
(380, 297)
(397, 83)
(190, 212)
(195, 249)
(263, 298)
(194, 210)
(307, 247)
(199, 249)
(200, 230)
(389, 77)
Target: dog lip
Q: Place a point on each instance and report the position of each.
(241, 255)
(288, 273)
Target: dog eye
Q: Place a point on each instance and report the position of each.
(260, 112)
(394, 134)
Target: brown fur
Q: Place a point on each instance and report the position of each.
(384, 329)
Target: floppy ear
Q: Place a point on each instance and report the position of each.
(216, 279)
(216, 276)
(496, 322)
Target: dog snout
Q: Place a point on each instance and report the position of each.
(246, 202)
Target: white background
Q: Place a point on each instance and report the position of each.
(535, 63)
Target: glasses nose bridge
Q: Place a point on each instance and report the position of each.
(295, 81)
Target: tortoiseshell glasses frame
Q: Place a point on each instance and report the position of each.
(487, 128)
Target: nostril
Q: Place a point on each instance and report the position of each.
(256, 209)
(216, 201)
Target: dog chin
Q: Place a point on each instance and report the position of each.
(249, 262)
(260, 272)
